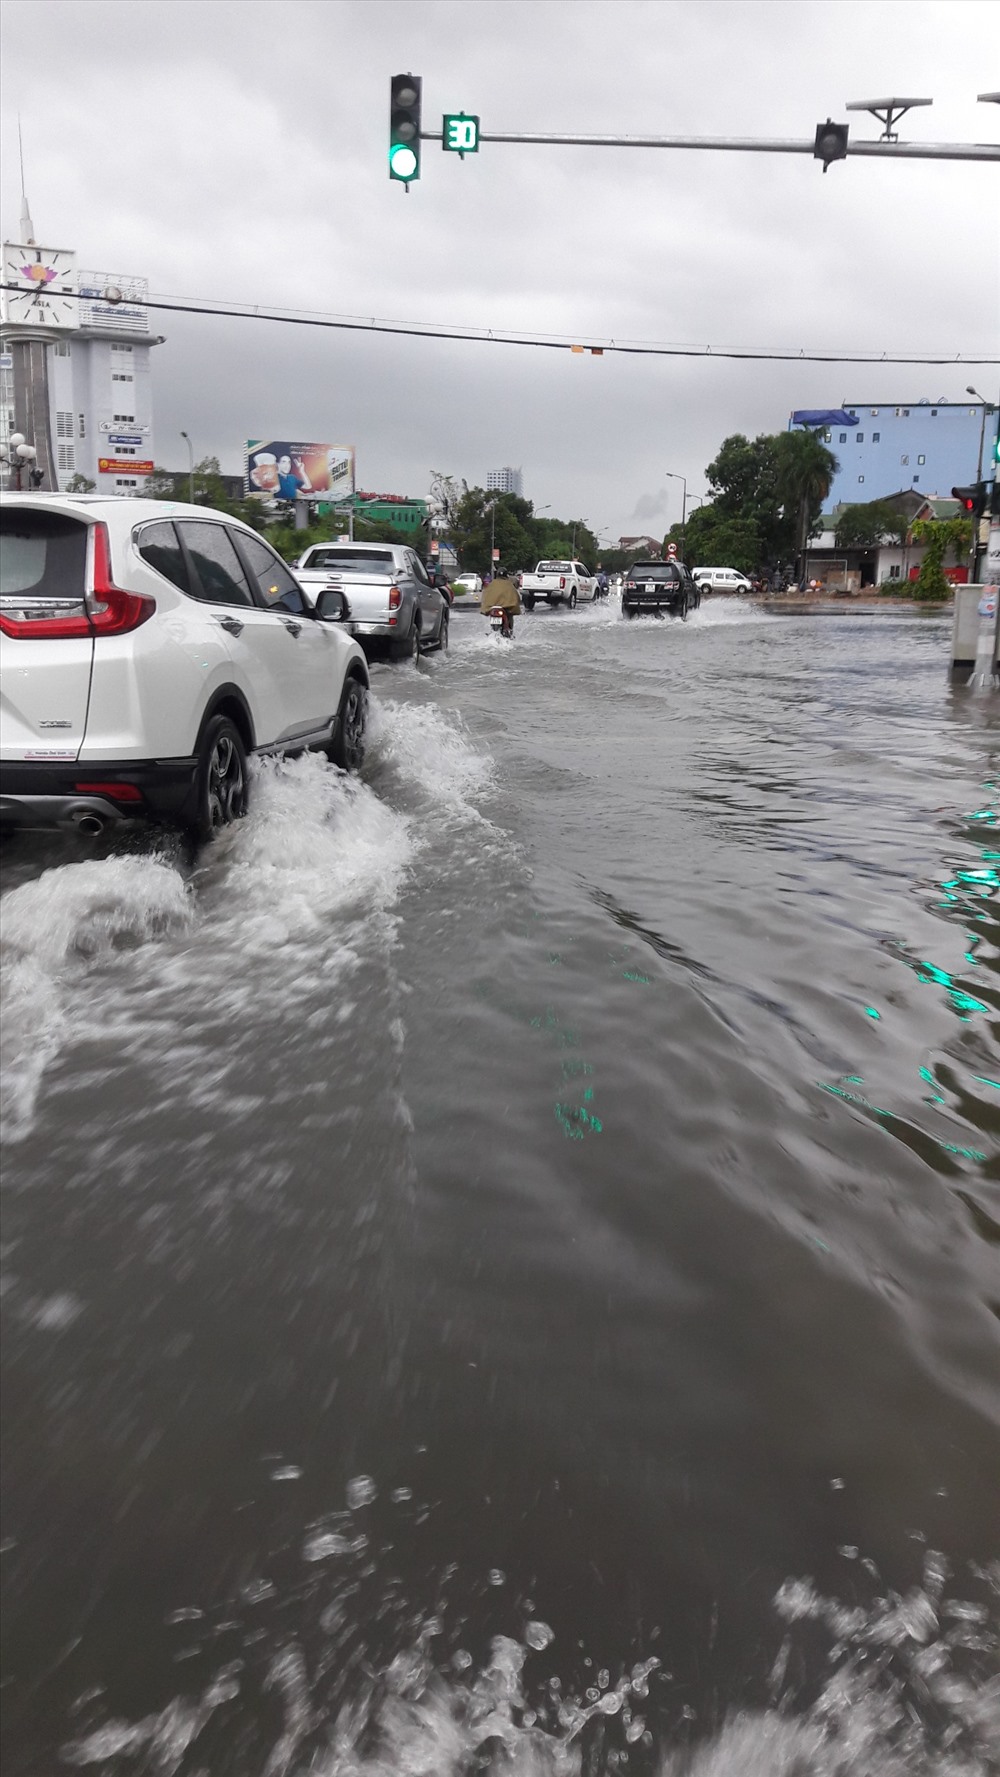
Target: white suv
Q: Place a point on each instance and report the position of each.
(721, 580)
(147, 649)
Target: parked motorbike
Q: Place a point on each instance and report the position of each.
(502, 622)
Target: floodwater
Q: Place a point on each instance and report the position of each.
(501, 1257)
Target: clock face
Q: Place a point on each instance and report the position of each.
(39, 287)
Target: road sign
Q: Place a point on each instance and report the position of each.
(435, 546)
(496, 554)
(459, 134)
(671, 549)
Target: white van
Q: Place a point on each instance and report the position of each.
(721, 580)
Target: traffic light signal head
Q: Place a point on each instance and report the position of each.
(404, 127)
(831, 142)
(972, 500)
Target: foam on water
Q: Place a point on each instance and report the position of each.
(911, 1691)
(56, 930)
(316, 866)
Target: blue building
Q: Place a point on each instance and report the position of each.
(929, 449)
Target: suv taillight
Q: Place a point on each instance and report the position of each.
(562, 582)
(106, 610)
(395, 598)
(113, 611)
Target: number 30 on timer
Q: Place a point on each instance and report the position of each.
(460, 134)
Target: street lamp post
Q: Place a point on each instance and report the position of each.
(988, 407)
(20, 455)
(190, 467)
(684, 504)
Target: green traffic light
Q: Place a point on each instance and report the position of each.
(402, 161)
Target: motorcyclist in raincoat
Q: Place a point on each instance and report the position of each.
(503, 592)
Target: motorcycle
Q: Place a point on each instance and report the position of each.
(502, 622)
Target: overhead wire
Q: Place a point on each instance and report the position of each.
(494, 336)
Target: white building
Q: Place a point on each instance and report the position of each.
(505, 481)
(75, 372)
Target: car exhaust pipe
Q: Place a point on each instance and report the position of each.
(91, 824)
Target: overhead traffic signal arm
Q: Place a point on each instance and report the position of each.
(461, 134)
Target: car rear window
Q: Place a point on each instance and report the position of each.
(360, 560)
(42, 553)
(555, 567)
(653, 570)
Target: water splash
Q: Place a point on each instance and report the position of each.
(910, 1690)
(56, 931)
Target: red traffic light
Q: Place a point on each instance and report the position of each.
(972, 500)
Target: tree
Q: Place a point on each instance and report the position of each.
(714, 539)
(867, 526)
(78, 484)
(939, 535)
(805, 472)
(508, 523)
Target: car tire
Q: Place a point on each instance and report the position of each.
(442, 641)
(410, 648)
(528, 601)
(347, 749)
(571, 601)
(221, 790)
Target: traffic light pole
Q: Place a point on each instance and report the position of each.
(747, 145)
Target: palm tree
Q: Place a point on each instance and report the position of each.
(805, 475)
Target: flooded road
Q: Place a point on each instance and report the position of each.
(501, 1257)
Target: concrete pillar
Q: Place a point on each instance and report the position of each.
(975, 640)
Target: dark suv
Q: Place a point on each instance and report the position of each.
(652, 587)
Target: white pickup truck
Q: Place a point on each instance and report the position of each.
(560, 582)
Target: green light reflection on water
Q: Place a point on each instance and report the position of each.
(865, 1104)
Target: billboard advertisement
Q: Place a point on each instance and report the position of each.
(283, 469)
(123, 466)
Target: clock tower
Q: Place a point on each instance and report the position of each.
(74, 367)
(37, 304)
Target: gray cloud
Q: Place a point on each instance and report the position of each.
(239, 151)
(649, 506)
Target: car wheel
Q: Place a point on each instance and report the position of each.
(529, 601)
(221, 790)
(628, 611)
(347, 749)
(442, 640)
(410, 648)
(571, 601)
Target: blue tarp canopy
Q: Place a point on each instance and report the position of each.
(827, 416)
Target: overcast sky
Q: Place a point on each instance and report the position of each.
(236, 149)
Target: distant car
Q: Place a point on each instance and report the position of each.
(652, 587)
(391, 603)
(466, 584)
(149, 649)
(558, 582)
(722, 580)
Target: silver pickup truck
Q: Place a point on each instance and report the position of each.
(391, 604)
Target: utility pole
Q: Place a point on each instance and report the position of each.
(684, 506)
(987, 407)
(190, 467)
